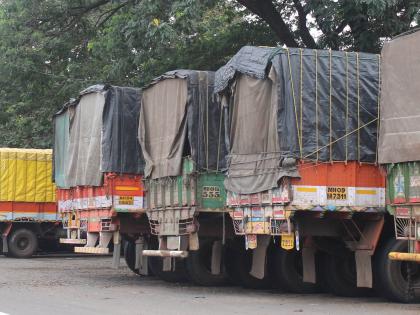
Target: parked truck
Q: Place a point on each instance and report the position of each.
(304, 186)
(269, 172)
(28, 213)
(399, 151)
(98, 169)
(181, 135)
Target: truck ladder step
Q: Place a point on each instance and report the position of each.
(92, 250)
(74, 241)
(166, 253)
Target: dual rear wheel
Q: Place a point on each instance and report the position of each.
(22, 243)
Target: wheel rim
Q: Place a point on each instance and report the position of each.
(23, 243)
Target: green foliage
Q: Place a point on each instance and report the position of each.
(52, 49)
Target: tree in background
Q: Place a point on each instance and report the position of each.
(359, 25)
(51, 49)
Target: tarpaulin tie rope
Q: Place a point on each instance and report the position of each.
(346, 135)
(294, 99)
(330, 101)
(207, 121)
(347, 102)
(358, 106)
(316, 104)
(379, 108)
(301, 98)
(219, 140)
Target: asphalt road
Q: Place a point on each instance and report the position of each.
(88, 285)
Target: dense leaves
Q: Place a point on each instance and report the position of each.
(51, 49)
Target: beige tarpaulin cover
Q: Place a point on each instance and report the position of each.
(254, 160)
(84, 149)
(163, 127)
(399, 138)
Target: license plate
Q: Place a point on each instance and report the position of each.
(126, 200)
(336, 193)
(287, 241)
(210, 192)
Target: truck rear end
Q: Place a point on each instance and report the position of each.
(181, 135)
(28, 214)
(98, 169)
(399, 152)
(304, 188)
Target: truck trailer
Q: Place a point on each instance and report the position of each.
(28, 213)
(304, 185)
(98, 169)
(181, 135)
(399, 152)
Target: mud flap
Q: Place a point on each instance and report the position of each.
(193, 241)
(5, 233)
(363, 268)
(259, 257)
(216, 258)
(117, 250)
(141, 260)
(308, 262)
(5, 247)
(167, 264)
(92, 238)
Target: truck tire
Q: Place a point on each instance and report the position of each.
(179, 275)
(130, 256)
(392, 275)
(289, 274)
(198, 266)
(23, 243)
(230, 262)
(340, 276)
(242, 267)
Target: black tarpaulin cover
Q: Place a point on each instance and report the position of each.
(327, 110)
(202, 122)
(121, 150)
(102, 137)
(328, 104)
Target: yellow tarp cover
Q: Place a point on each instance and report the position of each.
(26, 175)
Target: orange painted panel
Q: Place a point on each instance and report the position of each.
(28, 207)
(352, 174)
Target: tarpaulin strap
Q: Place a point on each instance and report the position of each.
(219, 140)
(294, 100)
(301, 98)
(207, 122)
(358, 106)
(379, 108)
(316, 104)
(347, 102)
(330, 101)
(346, 135)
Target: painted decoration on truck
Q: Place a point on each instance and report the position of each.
(399, 187)
(279, 195)
(414, 191)
(321, 187)
(308, 197)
